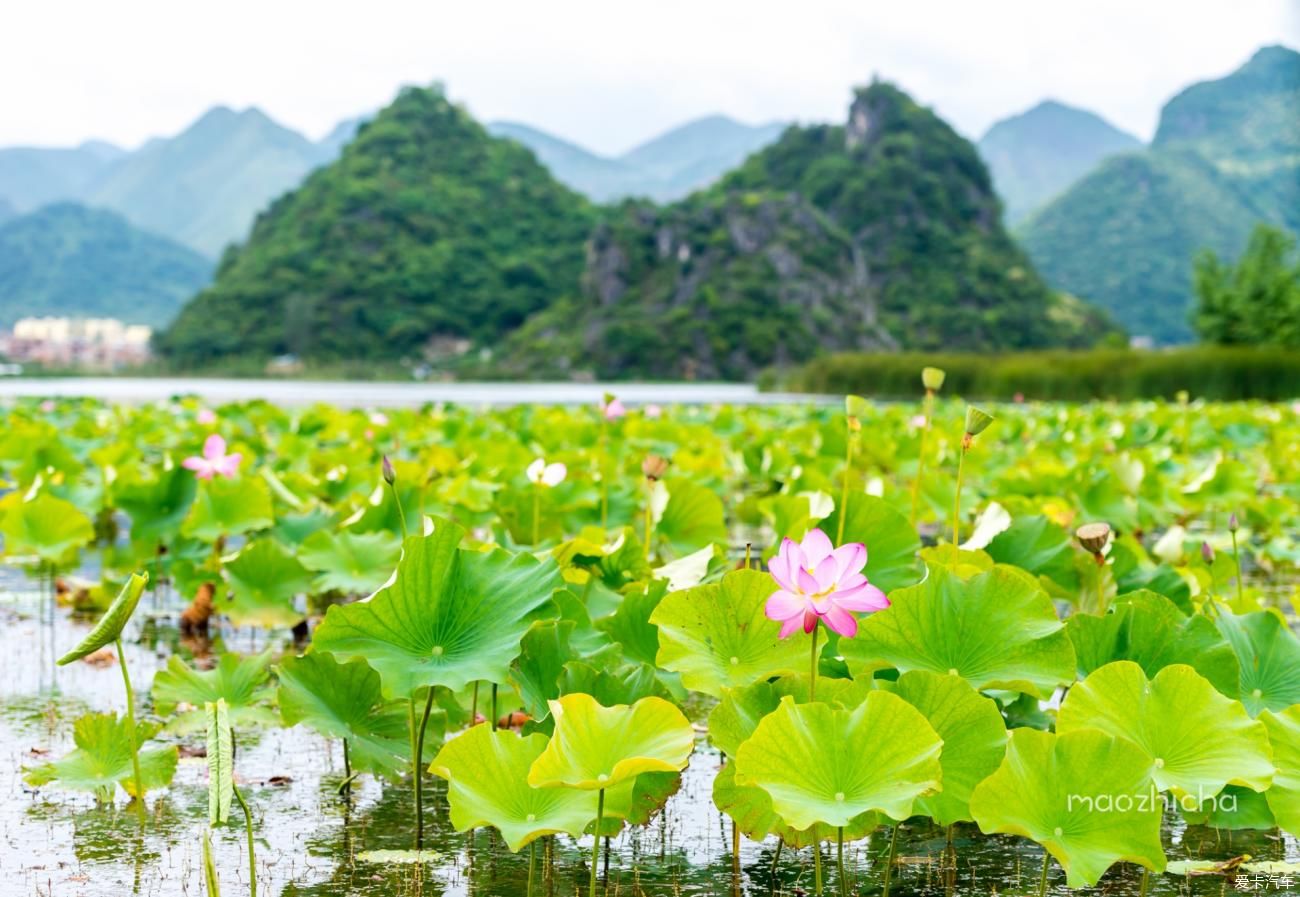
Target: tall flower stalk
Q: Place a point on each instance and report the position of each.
(653, 467)
(932, 379)
(852, 427)
(977, 422)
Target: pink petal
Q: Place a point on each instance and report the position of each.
(229, 465)
(791, 626)
(849, 559)
(194, 463)
(782, 567)
(826, 573)
(809, 621)
(841, 621)
(862, 599)
(807, 582)
(214, 447)
(784, 605)
(851, 582)
(816, 545)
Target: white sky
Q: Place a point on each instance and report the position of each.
(605, 73)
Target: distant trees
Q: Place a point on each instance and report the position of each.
(1257, 301)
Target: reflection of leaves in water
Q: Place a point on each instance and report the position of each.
(42, 714)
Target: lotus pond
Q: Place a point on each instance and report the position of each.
(781, 650)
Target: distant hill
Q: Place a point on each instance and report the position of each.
(1226, 155)
(65, 259)
(425, 227)
(31, 177)
(204, 186)
(1036, 155)
(878, 234)
(665, 168)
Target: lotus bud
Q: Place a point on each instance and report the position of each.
(1207, 553)
(932, 378)
(654, 467)
(1232, 522)
(1093, 537)
(390, 475)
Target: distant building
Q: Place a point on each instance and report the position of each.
(97, 343)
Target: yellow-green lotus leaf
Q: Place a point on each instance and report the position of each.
(829, 765)
(597, 747)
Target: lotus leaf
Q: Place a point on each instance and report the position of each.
(110, 625)
(101, 759)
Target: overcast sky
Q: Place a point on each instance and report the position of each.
(605, 73)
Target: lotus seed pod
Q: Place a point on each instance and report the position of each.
(932, 378)
(654, 467)
(977, 421)
(1093, 536)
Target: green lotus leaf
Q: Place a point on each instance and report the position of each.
(621, 684)
(597, 747)
(1269, 656)
(451, 615)
(157, 506)
(717, 635)
(1233, 809)
(996, 630)
(348, 562)
(693, 518)
(240, 681)
(1036, 544)
(636, 802)
(536, 672)
(101, 759)
(345, 700)
(110, 625)
(961, 562)
(487, 775)
(974, 738)
(1197, 740)
(264, 580)
(46, 526)
(892, 543)
(1150, 630)
(739, 710)
(828, 765)
(221, 763)
(750, 808)
(225, 507)
(1284, 736)
(1086, 796)
(1265, 867)
(630, 624)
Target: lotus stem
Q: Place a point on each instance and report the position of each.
(473, 706)
(776, 857)
(494, 706)
(1146, 879)
(649, 517)
(130, 721)
(956, 504)
(1236, 557)
(839, 860)
(401, 514)
(1042, 879)
(889, 862)
(595, 843)
(749, 547)
(812, 667)
(537, 515)
(604, 474)
(532, 863)
(817, 868)
(735, 848)
(248, 828)
(920, 456)
(417, 769)
(844, 490)
(347, 770)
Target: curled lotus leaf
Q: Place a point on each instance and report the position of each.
(110, 625)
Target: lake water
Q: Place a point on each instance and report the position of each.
(394, 394)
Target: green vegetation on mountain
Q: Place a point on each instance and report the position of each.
(1226, 156)
(1257, 301)
(204, 186)
(880, 234)
(1036, 155)
(665, 168)
(31, 176)
(425, 227)
(65, 259)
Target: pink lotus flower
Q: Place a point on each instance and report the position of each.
(820, 582)
(654, 412)
(613, 409)
(214, 461)
(206, 416)
(379, 419)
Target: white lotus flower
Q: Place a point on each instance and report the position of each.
(547, 475)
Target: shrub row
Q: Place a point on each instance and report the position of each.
(1208, 372)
